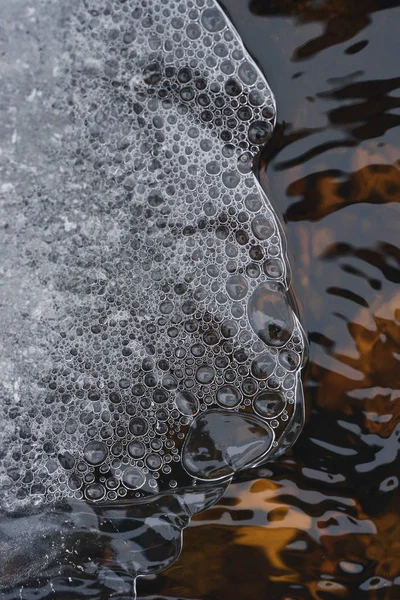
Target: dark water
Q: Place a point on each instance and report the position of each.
(323, 522)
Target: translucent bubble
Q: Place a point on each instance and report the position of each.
(152, 73)
(262, 227)
(228, 150)
(270, 315)
(211, 337)
(269, 404)
(205, 374)
(186, 403)
(245, 163)
(233, 87)
(247, 73)
(193, 31)
(133, 478)
(160, 396)
(136, 449)
(256, 253)
(289, 359)
(66, 460)
(237, 287)
(184, 75)
(260, 132)
(289, 382)
(187, 94)
(253, 270)
(212, 20)
(245, 114)
(263, 365)
(249, 386)
(153, 461)
(116, 449)
(256, 98)
(74, 482)
(95, 492)
(213, 167)
(95, 453)
(219, 444)
(253, 202)
(273, 268)
(229, 328)
(138, 426)
(166, 308)
(129, 36)
(228, 396)
(231, 179)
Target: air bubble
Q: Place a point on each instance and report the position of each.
(245, 163)
(260, 132)
(262, 227)
(205, 374)
(273, 268)
(187, 404)
(253, 202)
(233, 87)
(95, 453)
(95, 492)
(231, 179)
(253, 270)
(228, 396)
(229, 329)
(289, 359)
(153, 462)
(247, 73)
(66, 460)
(220, 443)
(269, 404)
(237, 287)
(136, 449)
(263, 366)
(212, 20)
(133, 478)
(184, 75)
(152, 74)
(270, 315)
(138, 426)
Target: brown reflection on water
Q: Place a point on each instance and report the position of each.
(323, 522)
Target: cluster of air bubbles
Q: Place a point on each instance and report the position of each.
(171, 278)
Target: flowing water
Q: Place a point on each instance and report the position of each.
(321, 522)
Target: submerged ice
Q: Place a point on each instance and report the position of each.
(150, 349)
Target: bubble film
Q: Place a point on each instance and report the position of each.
(149, 338)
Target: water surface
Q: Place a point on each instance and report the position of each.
(324, 522)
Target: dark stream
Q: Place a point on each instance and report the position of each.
(324, 521)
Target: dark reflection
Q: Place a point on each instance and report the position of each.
(367, 117)
(323, 522)
(342, 20)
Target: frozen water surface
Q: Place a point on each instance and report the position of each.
(150, 348)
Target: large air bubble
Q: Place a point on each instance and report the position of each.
(270, 315)
(221, 443)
